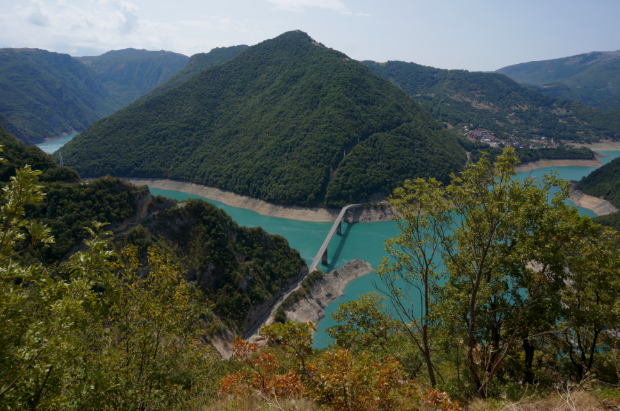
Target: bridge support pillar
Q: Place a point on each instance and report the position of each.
(339, 229)
(324, 259)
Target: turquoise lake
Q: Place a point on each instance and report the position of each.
(358, 240)
(52, 146)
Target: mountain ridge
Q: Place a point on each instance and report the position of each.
(273, 123)
(48, 94)
(494, 102)
(197, 63)
(591, 78)
(130, 73)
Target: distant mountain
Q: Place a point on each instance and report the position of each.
(128, 74)
(45, 94)
(288, 121)
(493, 101)
(197, 63)
(592, 78)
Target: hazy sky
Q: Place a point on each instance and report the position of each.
(472, 35)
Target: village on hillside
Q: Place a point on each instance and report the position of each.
(485, 136)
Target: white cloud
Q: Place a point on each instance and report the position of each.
(197, 23)
(37, 15)
(128, 16)
(302, 5)
(93, 27)
(214, 23)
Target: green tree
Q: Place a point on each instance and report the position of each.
(592, 291)
(504, 246)
(93, 332)
(38, 313)
(364, 326)
(146, 350)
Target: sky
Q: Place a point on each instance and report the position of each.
(476, 35)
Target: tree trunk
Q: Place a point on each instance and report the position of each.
(529, 349)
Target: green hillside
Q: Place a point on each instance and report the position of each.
(128, 74)
(47, 94)
(70, 204)
(492, 101)
(238, 268)
(18, 155)
(604, 182)
(592, 78)
(10, 128)
(197, 63)
(274, 123)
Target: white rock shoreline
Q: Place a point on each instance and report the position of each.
(535, 165)
(324, 291)
(311, 214)
(598, 205)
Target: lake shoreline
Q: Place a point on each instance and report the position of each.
(598, 205)
(535, 165)
(375, 213)
(327, 289)
(58, 137)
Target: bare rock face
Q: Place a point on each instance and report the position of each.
(598, 205)
(326, 290)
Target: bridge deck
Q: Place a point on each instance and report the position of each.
(313, 266)
(316, 260)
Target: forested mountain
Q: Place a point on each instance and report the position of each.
(495, 102)
(47, 94)
(197, 63)
(10, 128)
(128, 74)
(239, 268)
(592, 78)
(275, 123)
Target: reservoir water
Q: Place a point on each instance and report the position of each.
(358, 240)
(52, 146)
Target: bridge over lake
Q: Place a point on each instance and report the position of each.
(320, 256)
(337, 227)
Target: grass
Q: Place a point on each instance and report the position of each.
(562, 399)
(258, 402)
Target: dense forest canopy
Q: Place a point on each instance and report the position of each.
(47, 94)
(274, 123)
(70, 204)
(197, 63)
(128, 74)
(494, 102)
(239, 268)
